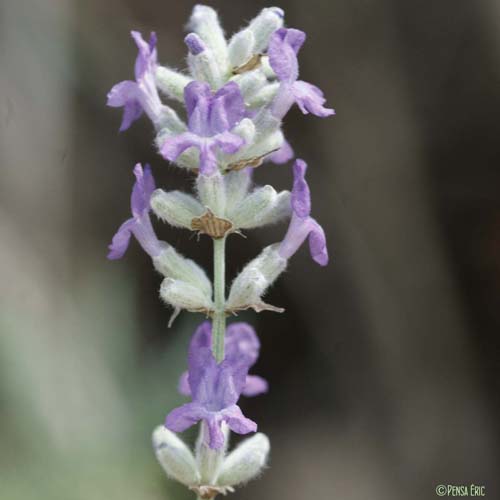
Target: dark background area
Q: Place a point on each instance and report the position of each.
(384, 368)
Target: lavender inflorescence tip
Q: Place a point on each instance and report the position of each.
(236, 94)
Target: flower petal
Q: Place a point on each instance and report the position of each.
(228, 108)
(237, 422)
(254, 386)
(121, 240)
(228, 142)
(146, 58)
(175, 145)
(283, 47)
(317, 245)
(310, 99)
(184, 416)
(183, 384)
(142, 190)
(208, 158)
(121, 93)
(301, 196)
(216, 438)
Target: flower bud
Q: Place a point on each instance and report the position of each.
(249, 286)
(171, 82)
(237, 184)
(205, 22)
(212, 192)
(249, 212)
(245, 462)
(251, 83)
(246, 130)
(281, 209)
(175, 457)
(264, 96)
(175, 207)
(266, 23)
(202, 61)
(241, 48)
(173, 265)
(182, 295)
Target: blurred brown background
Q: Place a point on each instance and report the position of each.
(384, 369)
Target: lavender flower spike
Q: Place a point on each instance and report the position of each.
(141, 95)
(241, 347)
(139, 224)
(211, 117)
(283, 48)
(215, 390)
(302, 225)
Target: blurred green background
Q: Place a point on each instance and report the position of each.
(384, 369)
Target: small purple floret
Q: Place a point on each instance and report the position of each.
(241, 347)
(284, 46)
(140, 95)
(302, 225)
(215, 390)
(211, 118)
(139, 224)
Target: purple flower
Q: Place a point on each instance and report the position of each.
(241, 347)
(302, 225)
(211, 117)
(139, 224)
(215, 390)
(283, 48)
(141, 95)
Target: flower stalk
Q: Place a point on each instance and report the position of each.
(219, 316)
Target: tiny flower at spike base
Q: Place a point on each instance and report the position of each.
(302, 225)
(139, 96)
(215, 390)
(139, 224)
(211, 117)
(283, 48)
(241, 347)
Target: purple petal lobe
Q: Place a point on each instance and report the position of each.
(237, 422)
(310, 99)
(121, 93)
(184, 416)
(183, 385)
(142, 190)
(146, 58)
(174, 146)
(194, 44)
(317, 245)
(228, 108)
(121, 240)
(282, 56)
(254, 386)
(215, 434)
(301, 196)
(228, 142)
(140, 224)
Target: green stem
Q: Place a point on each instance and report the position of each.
(219, 319)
